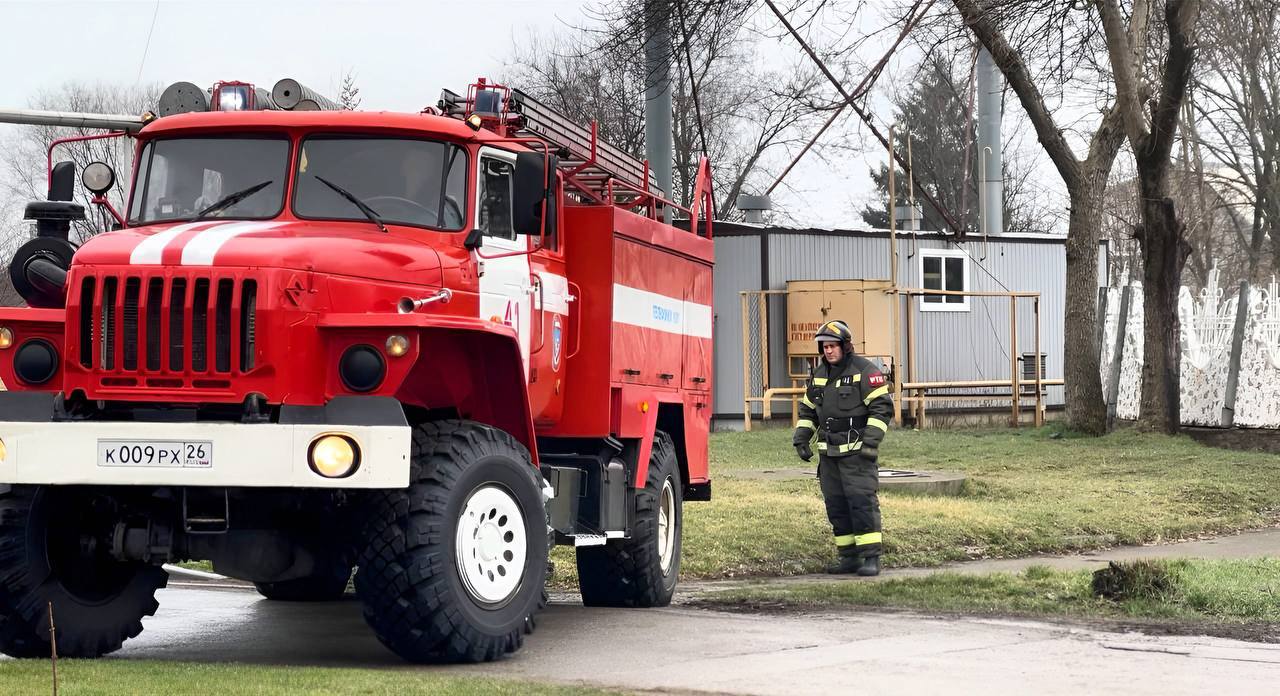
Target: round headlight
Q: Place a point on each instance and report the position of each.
(334, 456)
(361, 368)
(98, 177)
(397, 345)
(36, 361)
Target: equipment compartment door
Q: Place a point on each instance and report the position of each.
(505, 286)
(648, 315)
(698, 319)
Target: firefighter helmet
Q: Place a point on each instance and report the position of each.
(834, 332)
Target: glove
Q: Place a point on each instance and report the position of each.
(802, 449)
(870, 453)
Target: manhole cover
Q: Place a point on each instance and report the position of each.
(926, 482)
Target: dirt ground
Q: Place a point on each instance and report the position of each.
(1244, 439)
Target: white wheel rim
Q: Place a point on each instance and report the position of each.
(666, 527)
(491, 545)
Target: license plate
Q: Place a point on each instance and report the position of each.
(178, 454)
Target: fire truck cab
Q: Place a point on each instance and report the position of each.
(425, 346)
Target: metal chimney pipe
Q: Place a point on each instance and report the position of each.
(991, 161)
(131, 124)
(657, 94)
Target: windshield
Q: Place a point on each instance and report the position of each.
(409, 182)
(181, 177)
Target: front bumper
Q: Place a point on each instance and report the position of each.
(38, 449)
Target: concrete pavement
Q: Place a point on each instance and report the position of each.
(684, 649)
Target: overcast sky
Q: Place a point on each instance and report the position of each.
(402, 54)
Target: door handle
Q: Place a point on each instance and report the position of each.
(577, 322)
(536, 286)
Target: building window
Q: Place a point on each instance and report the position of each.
(944, 270)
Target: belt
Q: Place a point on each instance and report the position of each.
(835, 425)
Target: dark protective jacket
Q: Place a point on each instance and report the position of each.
(847, 406)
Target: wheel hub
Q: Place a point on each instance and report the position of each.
(491, 545)
(666, 526)
(489, 542)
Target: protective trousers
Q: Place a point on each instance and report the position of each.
(849, 486)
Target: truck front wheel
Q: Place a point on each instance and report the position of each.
(640, 571)
(52, 552)
(455, 566)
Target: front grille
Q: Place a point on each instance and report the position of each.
(174, 325)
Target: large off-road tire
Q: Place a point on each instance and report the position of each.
(98, 602)
(641, 571)
(327, 584)
(454, 567)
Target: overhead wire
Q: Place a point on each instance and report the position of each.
(147, 46)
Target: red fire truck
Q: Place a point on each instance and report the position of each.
(427, 346)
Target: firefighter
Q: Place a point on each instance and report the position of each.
(846, 411)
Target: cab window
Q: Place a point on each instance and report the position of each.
(494, 198)
(237, 178)
(404, 181)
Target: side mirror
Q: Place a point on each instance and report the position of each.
(533, 194)
(98, 177)
(62, 181)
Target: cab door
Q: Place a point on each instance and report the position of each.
(553, 296)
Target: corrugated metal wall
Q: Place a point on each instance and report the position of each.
(976, 344)
(737, 269)
(949, 345)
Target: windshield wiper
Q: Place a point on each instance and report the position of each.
(231, 199)
(368, 212)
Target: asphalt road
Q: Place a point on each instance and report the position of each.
(685, 649)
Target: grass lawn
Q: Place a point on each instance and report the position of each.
(1230, 591)
(110, 677)
(1028, 491)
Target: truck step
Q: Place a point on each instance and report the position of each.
(206, 511)
(589, 539)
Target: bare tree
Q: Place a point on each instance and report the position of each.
(12, 235)
(933, 113)
(724, 103)
(348, 92)
(24, 160)
(561, 70)
(1016, 34)
(1216, 227)
(1151, 135)
(1237, 88)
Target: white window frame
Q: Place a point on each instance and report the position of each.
(945, 254)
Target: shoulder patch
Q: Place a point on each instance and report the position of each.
(876, 379)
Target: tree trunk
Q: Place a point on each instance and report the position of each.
(1164, 251)
(1085, 181)
(1086, 407)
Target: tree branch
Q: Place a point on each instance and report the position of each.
(1121, 45)
(1180, 16)
(1020, 80)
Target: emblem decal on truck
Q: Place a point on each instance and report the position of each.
(556, 332)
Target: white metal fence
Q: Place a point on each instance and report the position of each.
(1214, 392)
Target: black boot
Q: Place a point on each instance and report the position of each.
(848, 564)
(869, 567)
